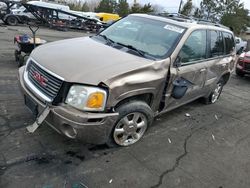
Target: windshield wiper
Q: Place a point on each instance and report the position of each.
(106, 38)
(140, 52)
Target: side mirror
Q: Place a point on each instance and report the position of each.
(177, 62)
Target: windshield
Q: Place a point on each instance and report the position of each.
(152, 37)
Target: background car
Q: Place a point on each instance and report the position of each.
(240, 45)
(243, 64)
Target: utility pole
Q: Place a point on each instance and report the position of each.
(179, 10)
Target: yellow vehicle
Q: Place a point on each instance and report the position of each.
(105, 17)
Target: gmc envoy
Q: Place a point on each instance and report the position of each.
(109, 87)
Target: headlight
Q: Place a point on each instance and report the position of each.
(87, 98)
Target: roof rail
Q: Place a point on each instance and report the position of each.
(207, 22)
(184, 18)
(175, 16)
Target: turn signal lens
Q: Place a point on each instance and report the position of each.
(95, 100)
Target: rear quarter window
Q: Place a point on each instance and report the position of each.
(229, 42)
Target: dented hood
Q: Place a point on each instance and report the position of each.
(85, 60)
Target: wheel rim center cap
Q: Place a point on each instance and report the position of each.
(130, 128)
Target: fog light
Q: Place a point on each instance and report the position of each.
(69, 131)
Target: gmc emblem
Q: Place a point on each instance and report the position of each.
(40, 78)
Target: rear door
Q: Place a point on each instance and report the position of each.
(230, 52)
(216, 61)
(220, 60)
(193, 56)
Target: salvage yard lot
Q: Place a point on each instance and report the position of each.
(208, 149)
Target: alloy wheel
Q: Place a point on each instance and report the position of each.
(130, 129)
(216, 93)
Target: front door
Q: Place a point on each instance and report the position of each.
(193, 68)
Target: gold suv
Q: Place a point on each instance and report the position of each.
(108, 88)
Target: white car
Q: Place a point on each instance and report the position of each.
(240, 45)
(2, 6)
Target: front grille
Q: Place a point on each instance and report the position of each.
(247, 66)
(48, 84)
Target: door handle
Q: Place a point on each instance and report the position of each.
(203, 70)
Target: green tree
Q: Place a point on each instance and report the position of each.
(136, 8)
(210, 9)
(214, 10)
(229, 6)
(187, 8)
(108, 6)
(238, 19)
(198, 13)
(230, 13)
(147, 8)
(123, 8)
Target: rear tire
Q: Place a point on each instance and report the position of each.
(215, 94)
(12, 20)
(134, 119)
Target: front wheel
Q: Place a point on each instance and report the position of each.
(133, 121)
(215, 94)
(12, 20)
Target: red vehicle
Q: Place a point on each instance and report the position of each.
(243, 64)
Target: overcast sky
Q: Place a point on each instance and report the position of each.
(172, 5)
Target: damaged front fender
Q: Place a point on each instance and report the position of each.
(149, 79)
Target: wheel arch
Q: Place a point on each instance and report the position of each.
(225, 77)
(144, 97)
(11, 15)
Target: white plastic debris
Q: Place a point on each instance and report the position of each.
(169, 141)
(216, 117)
(111, 180)
(213, 137)
(187, 115)
(83, 185)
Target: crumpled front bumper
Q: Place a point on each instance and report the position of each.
(94, 128)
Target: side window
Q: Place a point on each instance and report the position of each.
(194, 48)
(229, 42)
(216, 44)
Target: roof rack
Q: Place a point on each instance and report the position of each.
(176, 16)
(207, 22)
(183, 18)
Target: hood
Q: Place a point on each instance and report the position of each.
(245, 54)
(85, 60)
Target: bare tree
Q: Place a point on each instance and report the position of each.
(92, 4)
(158, 8)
